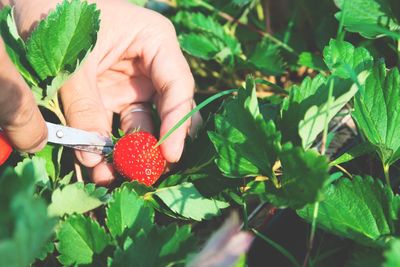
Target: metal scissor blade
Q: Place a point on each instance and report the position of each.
(79, 139)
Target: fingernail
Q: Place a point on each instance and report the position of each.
(90, 159)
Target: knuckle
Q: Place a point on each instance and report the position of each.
(20, 113)
(38, 142)
(83, 108)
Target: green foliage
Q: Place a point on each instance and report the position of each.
(361, 209)
(312, 61)
(304, 175)
(307, 108)
(255, 153)
(127, 210)
(79, 238)
(24, 223)
(246, 144)
(267, 58)
(376, 111)
(186, 201)
(38, 167)
(51, 154)
(392, 255)
(15, 46)
(370, 18)
(76, 198)
(55, 48)
(207, 38)
(346, 61)
(62, 40)
(160, 247)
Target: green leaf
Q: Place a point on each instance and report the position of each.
(52, 155)
(25, 227)
(210, 34)
(346, 61)
(198, 46)
(160, 247)
(127, 211)
(315, 117)
(62, 40)
(76, 198)
(79, 239)
(38, 167)
(305, 110)
(312, 61)
(367, 17)
(361, 209)
(304, 175)
(185, 200)
(355, 152)
(246, 144)
(266, 58)
(377, 112)
(15, 46)
(392, 255)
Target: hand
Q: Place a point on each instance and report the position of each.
(20, 117)
(137, 59)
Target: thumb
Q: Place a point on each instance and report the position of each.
(20, 117)
(84, 110)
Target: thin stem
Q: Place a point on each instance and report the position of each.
(343, 170)
(54, 106)
(312, 234)
(398, 52)
(326, 123)
(245, 215)
(190, 114)
(340, 34)
(386, 173)
(323, 150)
(278, 247)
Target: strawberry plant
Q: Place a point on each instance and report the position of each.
(296, 163)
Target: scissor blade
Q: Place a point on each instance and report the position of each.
(78, 139)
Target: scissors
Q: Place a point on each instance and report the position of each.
(79, 139)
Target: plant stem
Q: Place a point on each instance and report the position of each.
(398, 53)
(190, 114)
(386, 173)
(245, 216)
(340, 34)
(278, 247)
(343, 170)
(323, 150)
(326, 123)
(312, 234)
(56, 109)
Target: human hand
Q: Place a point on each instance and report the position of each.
(137, 59)
(20, 118)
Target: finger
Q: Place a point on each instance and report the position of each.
(197, 122)
(20, 117)
(102, 174)
(83, 109)
(174, 83)
(137, 116)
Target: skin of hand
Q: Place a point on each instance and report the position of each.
(20, 117)
(137, 59)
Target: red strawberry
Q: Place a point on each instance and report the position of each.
(136, 158)
(5, 148)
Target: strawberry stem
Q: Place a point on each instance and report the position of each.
(190, 114)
